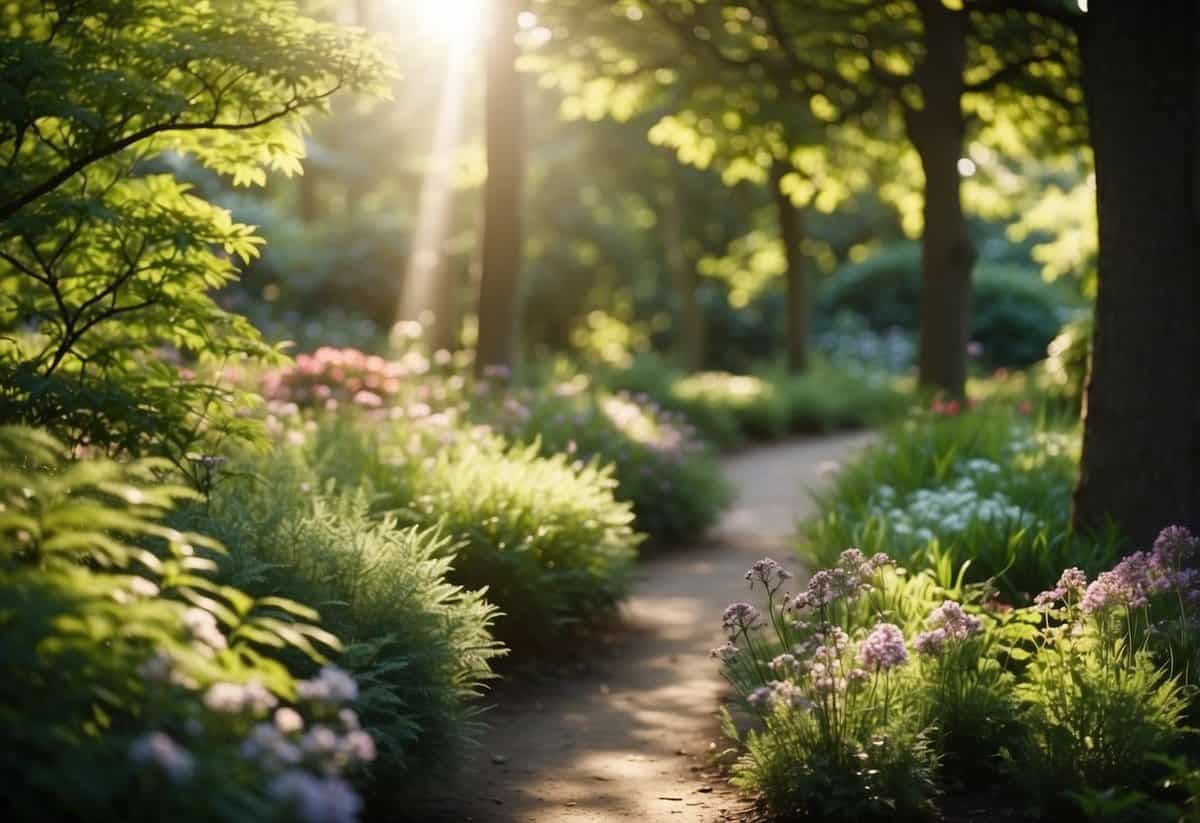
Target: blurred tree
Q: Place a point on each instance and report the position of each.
(499, 281)
(1141, 442)
(940, 68)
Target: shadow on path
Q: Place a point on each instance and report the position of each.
(631, 739)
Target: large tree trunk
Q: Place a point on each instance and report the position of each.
(685, 282)
(791, 234)
(938, 130)
(1141, 441)
(500, 278)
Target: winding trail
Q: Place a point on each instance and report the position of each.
(629, 737)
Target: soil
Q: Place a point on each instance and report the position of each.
(631, 732)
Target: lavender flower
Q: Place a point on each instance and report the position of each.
(1129, 585)
(883, 650)
(768, 572)
(931, 643)
(316, 799)
(739, 617)
(1174, 547)
(158, 749)
(726, 652)
(957, 624)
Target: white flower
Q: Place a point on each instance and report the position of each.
(204, 629)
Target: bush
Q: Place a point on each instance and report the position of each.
(729, 409)
(660, 467)
(1015, 314)
(544, 535)
(134, 686)
(840, 737)
(419, 646)
(988, 491)
(871, 688)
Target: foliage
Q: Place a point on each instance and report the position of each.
(136, 686)
(543, 535)
(1063, 373)
(988, 488)
(419, 646)
(1105, 692)
(660, 467)
(1015, 313)
(840, 737)
(728, 409)
(104, 264)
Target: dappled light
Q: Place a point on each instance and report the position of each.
(599, 411)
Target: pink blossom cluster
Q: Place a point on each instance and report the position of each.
(330, 376)
(1168, 567)
(769, 573)
(848, 579)
(883, 649)
(948, 625)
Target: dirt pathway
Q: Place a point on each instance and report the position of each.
(630, 737)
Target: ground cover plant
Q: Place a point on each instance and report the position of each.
(875, 690)
(984, 492)
(136, 684)
(419, 646)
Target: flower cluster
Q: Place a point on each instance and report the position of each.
(883, 649)
(948, 625)
(302, 767)
(330, 377)
(1141, 575)
(947, 511)
(770, 573)
(848, 579)
(1070, 586)
(739, 617)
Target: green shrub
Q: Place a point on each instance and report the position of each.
(839, 736)
(660, 467)
(729, 409)
(1015, 313)
(419, 646)
(544, 535)
(827, 397)
(989, 488)
(135, 686)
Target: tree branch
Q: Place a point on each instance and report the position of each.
(11, 207)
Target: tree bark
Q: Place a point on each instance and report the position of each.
(1141, 444)
(689, 315)
(500, 277)
(791, 234)
(938, 130)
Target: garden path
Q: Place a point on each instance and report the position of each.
(629, 736)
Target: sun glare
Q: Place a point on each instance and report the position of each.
(453, 19)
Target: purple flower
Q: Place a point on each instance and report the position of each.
(957, 624)
(1128, 585)
(739, 617)
(931, 643)
(316, 799)
(769, 573)
(883, 649)
(1174, 547)
(159, 749)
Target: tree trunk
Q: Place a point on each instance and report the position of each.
(791, 234)
(500, 278)
(689, 316)
(1141, 440)
(938, 130)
